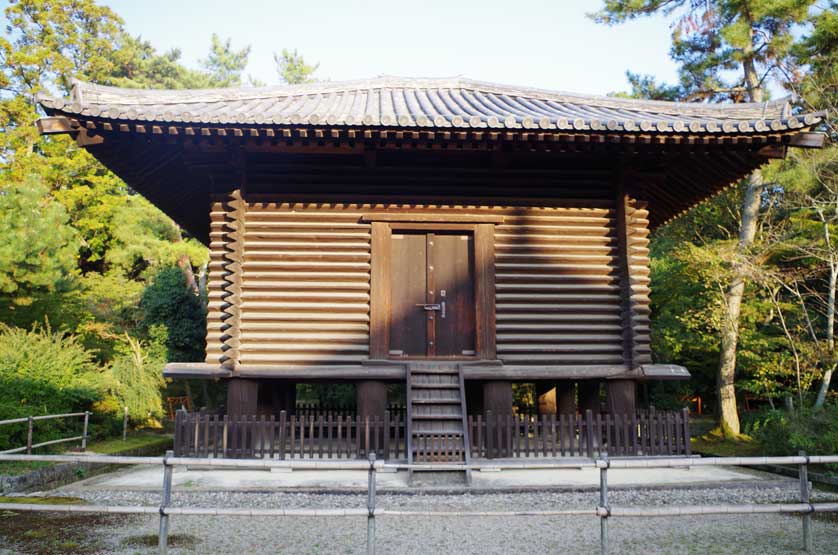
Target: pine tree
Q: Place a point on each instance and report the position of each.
(293, 69)
(726, 50)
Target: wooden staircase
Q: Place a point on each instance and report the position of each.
(436, 415)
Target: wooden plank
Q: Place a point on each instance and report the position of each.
(380, 289)
(562, 436)
(635, 448)
(419, 217)
(484, 276)
(385, 431)
(627, 439)
(687, 443)
(600, 447)
(653, 447)
(490, 435)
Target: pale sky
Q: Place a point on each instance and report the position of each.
(546, 44)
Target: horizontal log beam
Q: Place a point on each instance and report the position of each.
(395, 370)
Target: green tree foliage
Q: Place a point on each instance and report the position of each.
(713, 40)
(37, 255)
(225, 65)
(137, 380)
(174, 316)
(293, 69)
(80, 246)
(646, 86)
(727, 50)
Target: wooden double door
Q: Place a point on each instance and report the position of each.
(432, 302)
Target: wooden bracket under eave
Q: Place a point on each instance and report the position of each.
(773, 151)
(56, 125)
(86, 138)
(808, 140)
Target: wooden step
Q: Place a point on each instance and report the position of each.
(436, 433)
(458, 418)
(420, 371)
(436, 401)
(435, 386)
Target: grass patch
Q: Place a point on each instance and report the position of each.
(151, 540)
(49, 534)
(46, 500)
(153, 443)
(713, 444)
(134, 441)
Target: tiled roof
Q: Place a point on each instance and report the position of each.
(424, 103)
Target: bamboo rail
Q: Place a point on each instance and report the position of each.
(30, 420)
(604, 511)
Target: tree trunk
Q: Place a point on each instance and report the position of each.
(185, 266)
(725, 388)
(725, 379)
(830, 332)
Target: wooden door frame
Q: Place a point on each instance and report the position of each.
(381, 286)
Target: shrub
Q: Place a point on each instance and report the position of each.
(814, 431)
(44, 372)
(137, 381)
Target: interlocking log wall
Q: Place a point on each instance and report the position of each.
(562, 297)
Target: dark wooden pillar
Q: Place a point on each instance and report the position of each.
(474, 397)
(371, 398)
(283, 397)
(547, 397)
(242, 397)
(497, 397)
(589, 396)
(621, 396)
(566, 397)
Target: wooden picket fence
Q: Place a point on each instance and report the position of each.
(316, 410)
(643, 433)
(338, 436)
(313, 436)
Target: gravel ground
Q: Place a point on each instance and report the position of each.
(762, 534)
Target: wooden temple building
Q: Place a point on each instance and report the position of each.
(450, 235)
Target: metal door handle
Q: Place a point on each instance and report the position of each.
(442, 315)
(431, 306)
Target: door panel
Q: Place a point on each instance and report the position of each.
(437, 270)
(408, 271)
(453, 261)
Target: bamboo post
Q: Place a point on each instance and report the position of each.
(125, 423)
(804, 498)
(163, 539)
(371, 506)
(29, 436)
(605, 510)
(84, 431)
